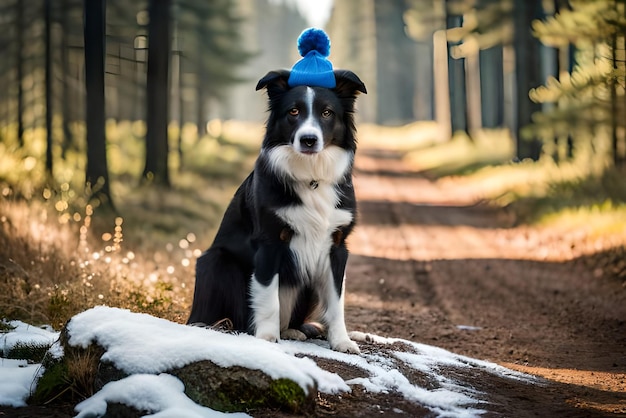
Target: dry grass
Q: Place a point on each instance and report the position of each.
(61, 256)
(49, 271)
(82, 369)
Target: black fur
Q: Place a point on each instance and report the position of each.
(252, 238)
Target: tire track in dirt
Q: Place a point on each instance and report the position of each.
(429, 263)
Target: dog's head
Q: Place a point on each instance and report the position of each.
(311, 119)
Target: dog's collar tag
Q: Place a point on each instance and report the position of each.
(313, 184)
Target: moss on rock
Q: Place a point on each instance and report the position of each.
(231, 389)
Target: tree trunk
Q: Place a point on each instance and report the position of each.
(200, 105)
(473, 98)
(442, 85)
(48, 86)
(527, 73)
(423, 97)
(456, 80)
(201, 96)
(618, 136)
(492, 87)
(613, 116)
(97, 173)
(20, 71)
(567, 61)
(65, 94)
(176, 87)
(622, 159)
(156, 169)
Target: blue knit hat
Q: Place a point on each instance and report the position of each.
(314, 69)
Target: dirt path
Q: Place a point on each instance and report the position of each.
(431, 265)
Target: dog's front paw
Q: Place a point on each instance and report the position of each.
(346, 346)
(267, 336)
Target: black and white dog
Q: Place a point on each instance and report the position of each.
(277, 265)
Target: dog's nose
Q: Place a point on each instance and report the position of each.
(308, 141)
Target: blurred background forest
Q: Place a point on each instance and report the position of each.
(548, 72)
(148, 110)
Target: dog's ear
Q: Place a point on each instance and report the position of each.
(274, 81)
(348, 83)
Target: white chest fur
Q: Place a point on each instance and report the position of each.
(313, 222)
(316, 217)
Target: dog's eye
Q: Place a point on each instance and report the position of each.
(294, 112)
(326, 113)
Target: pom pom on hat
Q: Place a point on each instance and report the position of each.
(314, 40)
(313, 69)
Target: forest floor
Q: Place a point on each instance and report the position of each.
(433, 263)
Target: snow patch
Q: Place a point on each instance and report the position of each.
(147, 347)
(139, 343)
(17, 380)
(163, 395)
(384, 377)
(26, 334)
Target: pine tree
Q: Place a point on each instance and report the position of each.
(590, 99)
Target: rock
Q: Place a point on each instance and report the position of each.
(239, 389)
(81, 372)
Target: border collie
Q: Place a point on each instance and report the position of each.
(276, 268)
